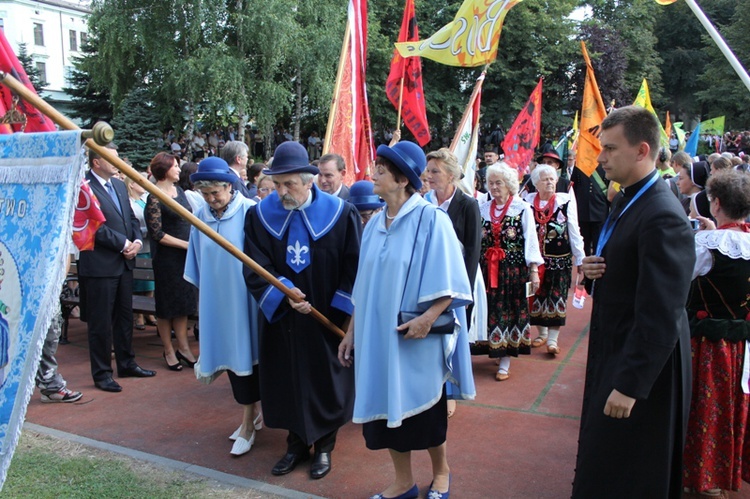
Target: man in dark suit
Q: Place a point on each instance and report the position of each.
(235, 153)
(591, 199)
(638, 374)
(331, 176)
(106, 279)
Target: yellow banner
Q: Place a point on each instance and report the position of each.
(593, 113)
(643, 99)
(471, 39)
(665, 2)
(714, 126)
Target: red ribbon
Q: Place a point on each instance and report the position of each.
(494, 256)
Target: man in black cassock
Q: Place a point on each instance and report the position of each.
(637, 393)
(310, 241)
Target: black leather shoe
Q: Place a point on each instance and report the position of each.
(136, 372)
(108, 385)
(288, 463)
(321, 465)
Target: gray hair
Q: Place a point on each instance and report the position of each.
(203, 184)
(306, 177)
(232, 149)
(448, 162)
(508, 175)
(536, 173)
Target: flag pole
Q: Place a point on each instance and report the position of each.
(337, 85)
(720, 42)
(400, 101)
(136, 177)
(462, 123)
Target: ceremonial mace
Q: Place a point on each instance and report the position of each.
(101, 135)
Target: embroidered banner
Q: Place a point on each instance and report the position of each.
(523, 136)
(39, 177)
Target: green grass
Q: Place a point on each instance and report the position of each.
(46, 467)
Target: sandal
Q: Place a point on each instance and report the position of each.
(502, 375)
(538, 341)
(553, 349)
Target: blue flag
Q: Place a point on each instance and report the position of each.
(692, 144)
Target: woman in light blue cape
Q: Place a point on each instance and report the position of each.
(228, 313)
(407, 263)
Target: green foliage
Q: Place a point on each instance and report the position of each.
(90, 103)
(723, 93)
(273, 62)
(136, 124)
(27, 62)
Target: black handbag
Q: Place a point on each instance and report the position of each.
(445, 323)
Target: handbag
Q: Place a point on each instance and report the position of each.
(445, 322)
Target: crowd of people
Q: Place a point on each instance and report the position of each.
(468, 273)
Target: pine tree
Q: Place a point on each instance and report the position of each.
(90, 103)
(137, 132)
(27, 62)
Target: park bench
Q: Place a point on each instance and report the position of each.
(141, 304)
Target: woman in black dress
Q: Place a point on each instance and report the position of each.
(175, 298)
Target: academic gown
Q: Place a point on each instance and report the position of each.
(228, 314)
(303, 386)
(639, 344)
(410, 373)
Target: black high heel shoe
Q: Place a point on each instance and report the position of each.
(172, 367)
(182, 358)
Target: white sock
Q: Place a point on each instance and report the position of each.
(542, 331)
(553, 334)
(504, 364)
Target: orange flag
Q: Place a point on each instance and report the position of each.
(668, 126)
(593, 113)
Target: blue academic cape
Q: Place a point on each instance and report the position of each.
(228, 314)
(397, 378)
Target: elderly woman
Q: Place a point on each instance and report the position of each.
(443, 176)
(265, 187)
(228, 315)
(174, 297)
(509, 259)
(717, 450)
(560, 241)
(416, 245)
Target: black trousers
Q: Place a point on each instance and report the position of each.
(108, 305)
(295, 445)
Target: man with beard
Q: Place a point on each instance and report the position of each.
(309, 240)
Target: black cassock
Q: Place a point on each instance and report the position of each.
(639, 344)
(303, 387)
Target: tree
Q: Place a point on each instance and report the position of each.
(27, 62)
(136, 124)
(90, 103)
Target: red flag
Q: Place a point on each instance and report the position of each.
(523, 136)
(36, 121)
(88, 215)
(349, 130)
(87, 218)
(409, 71)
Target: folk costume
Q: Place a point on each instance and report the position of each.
(559, 242)
(228, 314)
(315, 248)
(412, 372)
(638, 345)
(717, 449)
(509, 246)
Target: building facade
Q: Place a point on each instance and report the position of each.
(53, 32)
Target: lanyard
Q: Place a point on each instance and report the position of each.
(608, 228)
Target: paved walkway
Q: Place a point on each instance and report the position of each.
(518, 438)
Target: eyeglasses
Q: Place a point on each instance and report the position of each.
(266, 189)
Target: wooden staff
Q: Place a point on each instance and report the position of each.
(105, 153)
